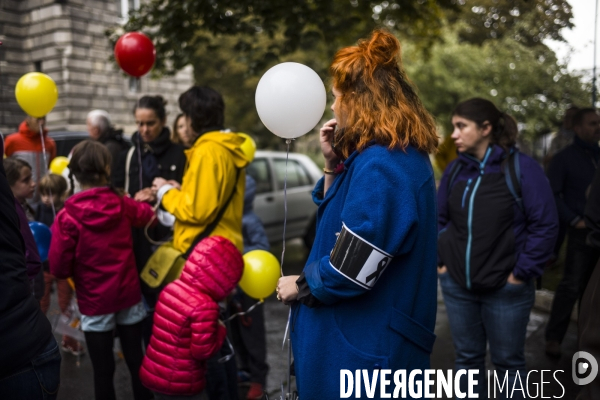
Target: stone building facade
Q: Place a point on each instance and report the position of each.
(66, 40)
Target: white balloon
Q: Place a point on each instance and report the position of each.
(290, 99)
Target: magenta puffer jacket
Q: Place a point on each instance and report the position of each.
(187, 330)
(91, 242)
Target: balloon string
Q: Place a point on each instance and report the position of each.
(140, 159)
(287, 325)
(258, 303)
(47, 170)
(288, 141)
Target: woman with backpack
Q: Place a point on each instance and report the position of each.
(497, 227)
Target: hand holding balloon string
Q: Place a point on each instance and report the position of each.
(287, 289)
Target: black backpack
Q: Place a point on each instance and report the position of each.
(512, 173)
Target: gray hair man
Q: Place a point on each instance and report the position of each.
(100, 129)
(98, 124)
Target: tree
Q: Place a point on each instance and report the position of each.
(527, 82)
(452, 49)
(180, 27)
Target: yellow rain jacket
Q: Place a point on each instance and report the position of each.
(207, 184)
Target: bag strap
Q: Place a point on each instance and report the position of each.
(512, 173)
(127, 162)
(211, 227)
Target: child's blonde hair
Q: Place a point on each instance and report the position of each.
(53, 184)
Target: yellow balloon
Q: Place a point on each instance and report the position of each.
(36, 93)
(58, 165)
(261, 273)
(248, 147)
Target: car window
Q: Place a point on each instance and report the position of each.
(259, 171)
(296, 174)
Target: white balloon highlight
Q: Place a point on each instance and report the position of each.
(290, 99)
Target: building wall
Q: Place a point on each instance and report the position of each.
(67, 40)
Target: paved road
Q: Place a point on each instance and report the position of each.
(77, 377)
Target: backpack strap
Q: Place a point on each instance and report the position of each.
(127, 162)
(512, 173)
(456, 167)
(211, 227)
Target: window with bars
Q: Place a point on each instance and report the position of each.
(125, 6)
(134, 85)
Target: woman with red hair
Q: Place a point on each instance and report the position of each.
(366, 299)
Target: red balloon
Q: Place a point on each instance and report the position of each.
(135, 53)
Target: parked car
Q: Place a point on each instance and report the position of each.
(269, 170)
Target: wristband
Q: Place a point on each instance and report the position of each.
(329, 171)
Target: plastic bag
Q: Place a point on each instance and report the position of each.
(69, 322)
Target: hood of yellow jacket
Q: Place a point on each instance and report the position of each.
(230, 140)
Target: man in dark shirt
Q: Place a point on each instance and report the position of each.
(29, 355)
(571, 172)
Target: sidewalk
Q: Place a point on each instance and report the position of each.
(77, 381)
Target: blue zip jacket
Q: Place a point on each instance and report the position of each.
(483, 234)
(388, 199)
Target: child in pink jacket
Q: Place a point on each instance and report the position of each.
(187, 330)
(91, 242)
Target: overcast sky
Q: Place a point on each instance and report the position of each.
(580, 47)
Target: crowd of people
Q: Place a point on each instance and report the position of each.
(387, 233)
(107, 219)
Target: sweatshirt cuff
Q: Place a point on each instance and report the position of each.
(318, 193)
(575, 220)
(165, 218)
(304, 295)
(161, 192)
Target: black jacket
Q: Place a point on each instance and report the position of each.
(592, 212)
(170, 157)
(24, 329)
(483, 234)
(570, 173)
(171, 165)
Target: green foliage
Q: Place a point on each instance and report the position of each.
(527, 82)
(267, 30)
(452, 49)
(526, 21)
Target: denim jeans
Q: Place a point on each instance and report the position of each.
(39, 379)
(497, 317)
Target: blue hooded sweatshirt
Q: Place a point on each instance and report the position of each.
(387, 198)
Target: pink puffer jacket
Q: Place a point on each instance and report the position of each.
(186, 329)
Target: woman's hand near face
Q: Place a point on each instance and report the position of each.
(326, 138)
